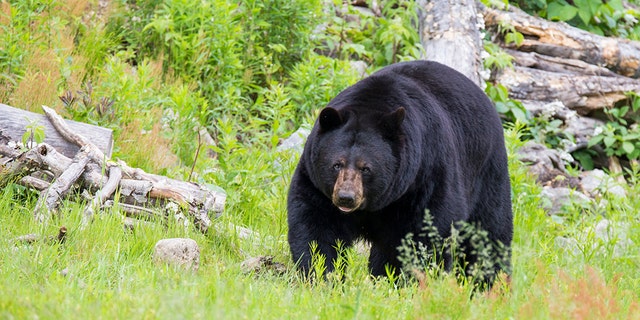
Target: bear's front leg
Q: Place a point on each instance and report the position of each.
(383, 258)
(314, 223)
(308, 240)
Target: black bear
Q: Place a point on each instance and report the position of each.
(413, 137)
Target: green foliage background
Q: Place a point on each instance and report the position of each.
(250, 73)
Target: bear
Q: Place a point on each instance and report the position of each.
(411, 138)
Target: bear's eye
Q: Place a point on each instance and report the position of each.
(337, 166)
(365, 170)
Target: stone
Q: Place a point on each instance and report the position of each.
(596, 182)
(177, 251)
(360, 67)
(604, 236)
(295, 141)
(568, 244)
(582, 129)
(613, 233)
(558, 198)
(540, 158)
(262, 264)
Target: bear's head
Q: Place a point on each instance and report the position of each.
(355, 159)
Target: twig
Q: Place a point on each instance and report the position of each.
(31, 238)
(69, 135)
(115, 175)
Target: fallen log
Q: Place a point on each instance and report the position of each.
(50, 198)
(582, 93)
(13, 123)
(554, 64)
(563, 41)
(136, 187)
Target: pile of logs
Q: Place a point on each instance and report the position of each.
(557, 62)
(560, 71)
(77, 162)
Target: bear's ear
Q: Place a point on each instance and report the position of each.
(391, 121)
(330, 118)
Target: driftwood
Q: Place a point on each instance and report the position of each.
(450, 34)
(136, 190)
(13, 124)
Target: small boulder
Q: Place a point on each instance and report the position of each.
(295, 141)
(177, 251)
(262, 264)
(596, 182)
(558, 198)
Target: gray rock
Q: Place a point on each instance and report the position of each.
(605, 236)
(262, 264)
(558, 198)
(540, 158)
(295, 141)
(615, 234)
(568, 244)
(178, 251)
(596, 182)
(360, 67)
(582, 129)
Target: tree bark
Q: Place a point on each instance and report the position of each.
(450, 34)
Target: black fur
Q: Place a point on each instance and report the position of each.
(431, 139)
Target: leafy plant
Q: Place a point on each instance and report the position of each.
(83, 105)
(33, 135)
(378, 40)
(465, 238)
(513, 110)
(621, 136)
(546, 129)
(604, 17)
(496, 58)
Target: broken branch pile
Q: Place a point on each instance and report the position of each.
(54, 174)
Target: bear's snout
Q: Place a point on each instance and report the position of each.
(347, 192)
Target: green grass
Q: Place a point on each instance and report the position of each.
(172, 67)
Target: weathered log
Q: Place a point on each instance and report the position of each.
(581, 93)
(449, 33)
(140, 188)
(563, 41)
(554, 64)
(13, 122)
(137, 189)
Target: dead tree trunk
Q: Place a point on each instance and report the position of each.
(450, 34)
(584, 71)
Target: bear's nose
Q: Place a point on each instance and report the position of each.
(346, 198)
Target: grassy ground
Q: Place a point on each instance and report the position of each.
(104, 271)
(173, 66)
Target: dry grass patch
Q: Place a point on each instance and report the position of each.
(146, 148)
